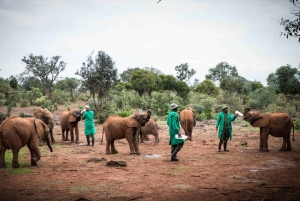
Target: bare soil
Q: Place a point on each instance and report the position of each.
(78, 172)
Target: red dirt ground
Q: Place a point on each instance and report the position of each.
(201, 174)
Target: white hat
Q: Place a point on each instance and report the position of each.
(173, 106)
(87, 107)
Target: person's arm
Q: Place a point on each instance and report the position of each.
(218, 121)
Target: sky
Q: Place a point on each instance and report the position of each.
(144, 33)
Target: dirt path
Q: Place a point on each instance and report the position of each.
(201, 174)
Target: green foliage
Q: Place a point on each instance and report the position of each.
(22, 114)
(33, 95)
(47, 72)
(46, 103)
(201, 117)
(261, 98)
(13, 82)
(256, 85)
(297, 124)
(69, 85)
(168, 82)
(144, 81)
(182, 90)
(229, 84)
(183, 72)
(30, 82)
(124, 113)
(126, 74)
(100, 75)
(207, 87)
(222, 70)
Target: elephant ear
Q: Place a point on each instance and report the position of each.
(263, 120)
(71, 117)
(41, 128)
(132, 122)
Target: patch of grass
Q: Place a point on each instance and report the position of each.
(22, 162)
(182, 167)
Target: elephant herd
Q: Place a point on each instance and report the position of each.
(16, 132)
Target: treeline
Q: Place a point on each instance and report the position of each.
(109, 92)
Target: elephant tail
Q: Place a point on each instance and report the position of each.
(102, 135)
(293, 135)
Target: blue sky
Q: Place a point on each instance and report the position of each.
(143, 33)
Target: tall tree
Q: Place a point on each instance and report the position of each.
(221, 71)
(68, 84)
(184, 73)
(144, 81)
(168, 82)
(126, 74)
(99, 76)
(46, 72)
(285, 80)
(292, 24)
(207, 87)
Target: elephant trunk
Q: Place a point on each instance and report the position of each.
(48, 143)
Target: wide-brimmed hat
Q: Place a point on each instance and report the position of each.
(224, 107)
(173, 106)
(87, 107)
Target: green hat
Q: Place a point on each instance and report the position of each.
(224, 107)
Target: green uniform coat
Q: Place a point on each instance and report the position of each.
(174, 127)
(89, 128)
(220, 123)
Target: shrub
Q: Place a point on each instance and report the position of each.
(22, 114)
(297, 124)
(124, 113)
(201, 117)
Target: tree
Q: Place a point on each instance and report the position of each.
(153, 70)
(46, 72)
(68, 84)
(13, 82)
(27, 83)
(221, 71)
(285, 80)
(168, 82)
(292, 24)
(229, 84)
(99, 76)
(182, 89)
(207, 87)
(184, 73)
(144, 81)
(126, 74)
(261, 98)
(256, 85)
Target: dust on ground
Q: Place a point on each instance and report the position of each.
(79, 172)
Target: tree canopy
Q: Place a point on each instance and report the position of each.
(184, 73)
(46, 71)
(99, 76)
(222, 70)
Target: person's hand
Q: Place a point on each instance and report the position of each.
(179, 135)
(82, 111)
(216, 128)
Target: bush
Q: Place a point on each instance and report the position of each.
(297, 124)
(22, 114)
(124, 113)
(25, 103)
(201, 117)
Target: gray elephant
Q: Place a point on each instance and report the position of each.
(116, 127)
(149, 128)
(16, 132)
(69, 122)
(276, 124)
(47, 117)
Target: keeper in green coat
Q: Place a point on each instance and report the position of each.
(225, 128)
(174, 128)
(89, 127)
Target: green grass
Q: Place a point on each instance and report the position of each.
(22, 162)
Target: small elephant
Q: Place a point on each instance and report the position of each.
(116, 127)
(149, 128)
(47, 117)
(68, 122)
(187, 121)
(276, 124)
(16, 132)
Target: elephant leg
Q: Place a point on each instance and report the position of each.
(51, 135)
(72, 135)
(76, 134)
(141, 136)
(283, 146)
(108, 143)
(15, 163)
(135, 144)
(113, 148)
(260, 141)
(2, 157)
(129, 138)
(288, 142)
(41, 142)
(34, 153)
(156, 138)
(63, 138)
(265, 136)
(67, 135)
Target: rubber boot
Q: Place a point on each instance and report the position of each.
(93, 141)
(220, 145)
(173, 155)
(88, 140)
(225, 147)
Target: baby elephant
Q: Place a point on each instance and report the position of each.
(16, 132)
(149, 128)
(116, 127)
